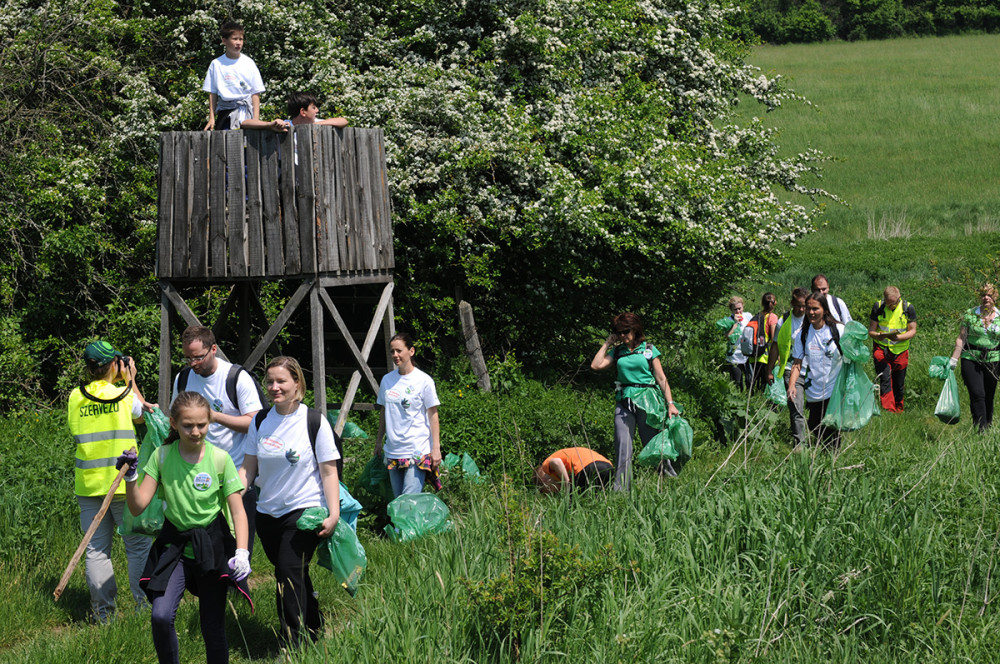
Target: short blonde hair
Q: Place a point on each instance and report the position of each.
(734, 300)
(990, 289)
(294, 368)
(890, 291)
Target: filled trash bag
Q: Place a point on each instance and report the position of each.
(351, 430)
(464, 463)
(650, 400)
(853, 402)
(375, 479)
(775, 392)
(150, 522)
(415, 515)
(853, 342)
(940, 367)
(675, 442)
(726, 324)
(341, 553)
(947, 409)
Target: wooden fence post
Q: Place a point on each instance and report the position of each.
(472, 347)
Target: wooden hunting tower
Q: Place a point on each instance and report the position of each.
(238, 208)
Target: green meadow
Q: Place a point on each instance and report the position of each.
(884, 552)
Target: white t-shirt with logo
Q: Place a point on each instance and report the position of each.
(824, 360)
(213, 388)
(234, 82)
(407, 425)
(287, 470)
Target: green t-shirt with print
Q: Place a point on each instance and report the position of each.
(193, 493)
(981, 342)
(634, 367)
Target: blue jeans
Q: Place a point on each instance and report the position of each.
(407, 480)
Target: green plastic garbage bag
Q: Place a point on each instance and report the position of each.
(947, 409)
(375, 479)
(775, 392)
(650, 400)
(853, 342)
(151, 520)
(341, 553)
(351, 430)
(465, 463)
(675, 443)
(853, 402)
(416, 515)
(724, 325)
(940, 367)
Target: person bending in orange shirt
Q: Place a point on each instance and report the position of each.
(573, 466)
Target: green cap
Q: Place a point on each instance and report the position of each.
(100, 353)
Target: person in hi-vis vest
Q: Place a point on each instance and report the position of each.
(893, 322)
(100, 416)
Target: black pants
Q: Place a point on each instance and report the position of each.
(981, 380)
(740, 375)
(250, 507)
(211, 610)
(290, 550)
(823, 435)
(596, 473)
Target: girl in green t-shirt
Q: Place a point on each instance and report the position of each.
(195, 549)
(640, 382)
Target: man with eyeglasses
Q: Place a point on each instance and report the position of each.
(231, 391)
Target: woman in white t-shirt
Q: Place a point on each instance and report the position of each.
(821, 351)
(739, 369)
(408, 422)
(292, 473)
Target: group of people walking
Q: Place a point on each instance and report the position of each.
(231, 470)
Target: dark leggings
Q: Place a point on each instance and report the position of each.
(824, 435)
(981, 380)
(740, 375)
(211, 609)
(290, 550)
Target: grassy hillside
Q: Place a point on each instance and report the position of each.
(886, 552)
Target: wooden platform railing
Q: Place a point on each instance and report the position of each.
(256, 204)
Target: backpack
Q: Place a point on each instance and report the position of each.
(231, 380)
(314, 419)
(755, 340)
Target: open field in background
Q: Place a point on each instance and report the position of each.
(887, 552)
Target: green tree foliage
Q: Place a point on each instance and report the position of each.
(784, 21)
(551, 161)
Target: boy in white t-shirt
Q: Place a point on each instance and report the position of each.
(233, 83)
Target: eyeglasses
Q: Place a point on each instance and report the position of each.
(196, 359)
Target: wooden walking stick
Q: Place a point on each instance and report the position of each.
(75, 560)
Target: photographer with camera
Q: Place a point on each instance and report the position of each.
(101, 415)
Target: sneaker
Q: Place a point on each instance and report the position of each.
(667, 468)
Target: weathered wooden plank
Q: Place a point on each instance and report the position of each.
(164, 217)
(198, 241)
(181, 207)
(289, 214)
(217, 237)
(340, 227)
(305, 190)
(326, 187)
(272, 332)
(352, 217)
(318, 351)
(365, 202)
(255, 205)
(275, 252)
(374, 192)
(388, 259)
(236, 204)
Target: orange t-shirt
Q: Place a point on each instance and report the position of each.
(575, 459)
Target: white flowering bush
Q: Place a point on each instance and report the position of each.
(551, 161)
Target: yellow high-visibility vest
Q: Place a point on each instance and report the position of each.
(101, 432)
(893, 321)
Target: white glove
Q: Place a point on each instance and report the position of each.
(952, 363)
(240, 564)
